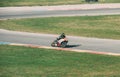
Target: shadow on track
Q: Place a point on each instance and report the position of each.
(71, 46)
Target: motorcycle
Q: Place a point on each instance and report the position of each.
(60, 42)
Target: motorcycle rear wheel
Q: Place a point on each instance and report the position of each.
(53, 44)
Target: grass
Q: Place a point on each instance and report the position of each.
(18, 61)
(47, 2)
(87, 26)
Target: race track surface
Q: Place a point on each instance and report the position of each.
(8, 13)
(82, 43)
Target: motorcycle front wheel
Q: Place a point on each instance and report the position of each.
(63, 44)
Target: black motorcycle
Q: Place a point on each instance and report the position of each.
(60, 42)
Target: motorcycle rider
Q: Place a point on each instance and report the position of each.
(61, 38)
(61, 41)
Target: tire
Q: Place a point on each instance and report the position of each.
(63, 44)
(53, 44)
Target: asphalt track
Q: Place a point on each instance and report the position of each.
(81, 43)
(23, 13)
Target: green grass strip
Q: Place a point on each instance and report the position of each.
(88, 26)
(18, 61)
(47, 2)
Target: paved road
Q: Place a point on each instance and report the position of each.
(82, 43)
(103, 45)
(7, 13)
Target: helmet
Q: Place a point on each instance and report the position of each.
(63, 35)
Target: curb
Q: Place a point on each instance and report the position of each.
(65, 49)
(83, 7)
